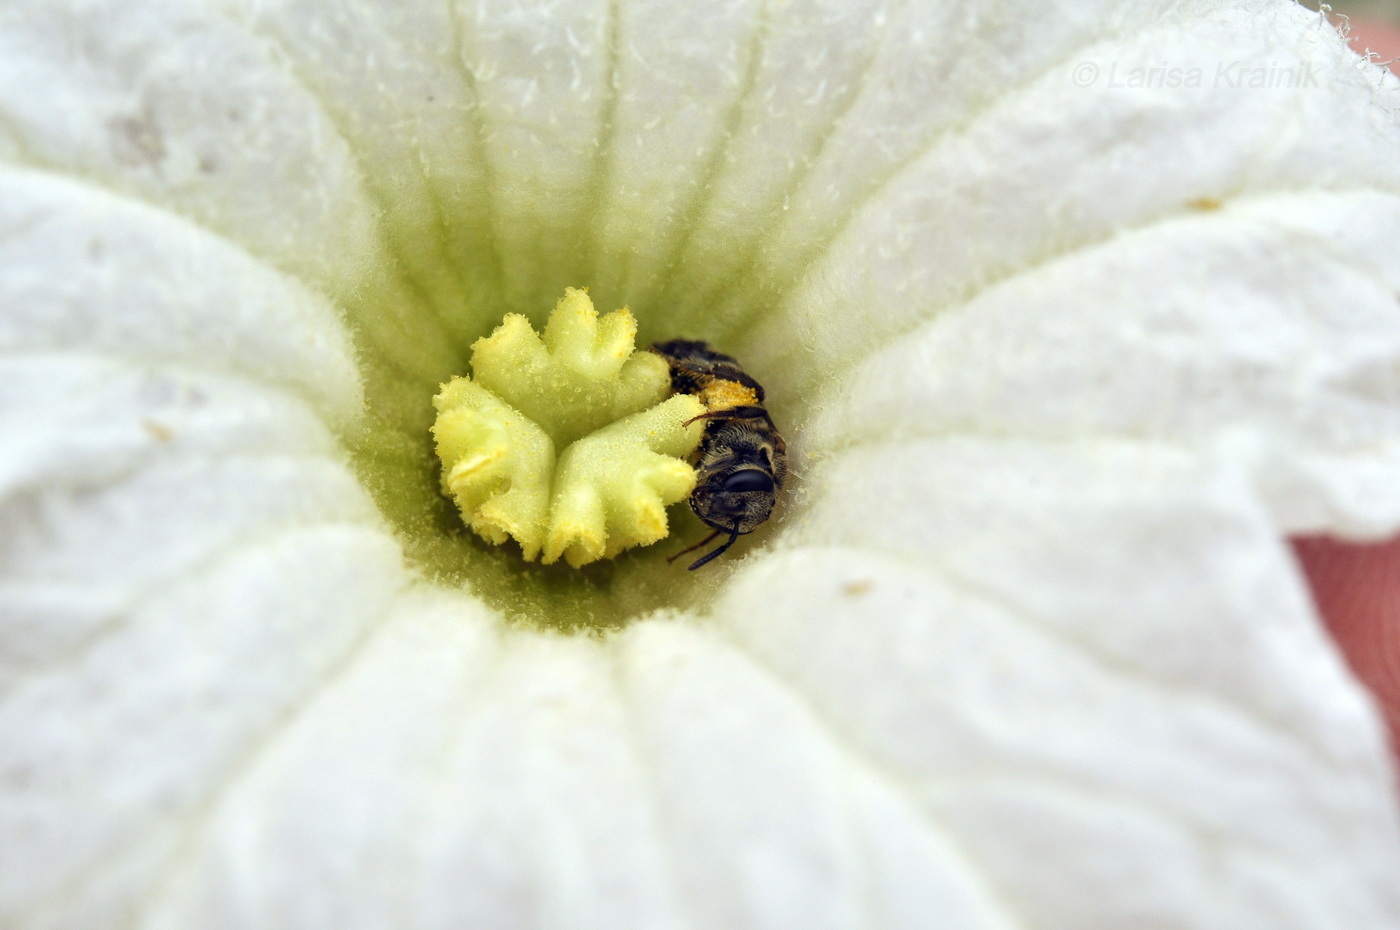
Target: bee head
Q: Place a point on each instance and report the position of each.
(736, 500)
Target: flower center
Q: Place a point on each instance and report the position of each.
(407, 359)
(568, 445)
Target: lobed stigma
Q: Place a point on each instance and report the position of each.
(570, 442)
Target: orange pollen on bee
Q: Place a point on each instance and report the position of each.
(722, 395)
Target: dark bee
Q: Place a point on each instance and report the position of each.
(741, 460)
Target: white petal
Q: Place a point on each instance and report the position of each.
(492, 780)
(1195, 331)
(419, 140)
(140, 726)
(138, 283)
(1096, 668)
(1060, 681)
(182, 107)
(1052, 167)
(1127, 717)
(186, 554)
(845, 99)
(109, 501)
(233, 140)
(773, 822)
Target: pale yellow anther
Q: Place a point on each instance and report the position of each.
(564, 443)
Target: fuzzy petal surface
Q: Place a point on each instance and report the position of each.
(1059, 364)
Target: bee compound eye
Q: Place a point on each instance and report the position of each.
(750, 479)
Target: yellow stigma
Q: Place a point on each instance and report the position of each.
(567, 444)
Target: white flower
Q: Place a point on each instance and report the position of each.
(1061, 352)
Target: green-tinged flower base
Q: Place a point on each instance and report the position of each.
(417, 332)
(582, 389)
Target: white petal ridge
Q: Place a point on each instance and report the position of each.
(1059, 364)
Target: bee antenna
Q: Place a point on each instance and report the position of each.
(716, 553)
(693, 547)
(750, 412)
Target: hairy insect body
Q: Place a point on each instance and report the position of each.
(741, 460)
